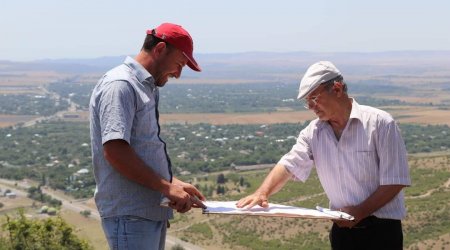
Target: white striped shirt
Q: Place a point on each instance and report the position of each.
(370, 153)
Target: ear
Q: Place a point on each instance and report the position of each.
(338, 88)
(159, 48)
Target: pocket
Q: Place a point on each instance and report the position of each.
(366, 165)
(136, 226)
(140, 233)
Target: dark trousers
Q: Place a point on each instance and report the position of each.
(370, 233)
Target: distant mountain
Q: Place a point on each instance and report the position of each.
(265, 65)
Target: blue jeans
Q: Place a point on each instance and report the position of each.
(132, 232)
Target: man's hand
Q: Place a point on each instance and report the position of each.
(194, 194)
(180, 200)
(272, 184)
(253, 199)
(355, 212)
(382, 195)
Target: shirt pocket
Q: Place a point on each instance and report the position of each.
(365, 165)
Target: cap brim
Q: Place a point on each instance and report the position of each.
(192, 63)
(303, 95)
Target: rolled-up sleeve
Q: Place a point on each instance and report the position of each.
(392, 154)
(299, 161)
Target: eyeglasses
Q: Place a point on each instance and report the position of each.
(310, 103)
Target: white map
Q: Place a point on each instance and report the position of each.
(229, 207)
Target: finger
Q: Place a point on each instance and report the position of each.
(253, 203)
(242, 202)
(264, 203)
(197, 194)
(197, 202)
(173, 205)
(200, 196)
(186, 207)
(180, 205)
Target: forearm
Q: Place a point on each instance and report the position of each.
(276, 179)
(124, 159)
(378, 199)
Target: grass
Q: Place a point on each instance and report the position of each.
(86, 228)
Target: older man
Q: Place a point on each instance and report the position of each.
(360, 158)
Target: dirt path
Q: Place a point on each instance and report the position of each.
(304, 198)
(446, 185)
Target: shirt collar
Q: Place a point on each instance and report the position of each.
(140, 72)
(356, 111)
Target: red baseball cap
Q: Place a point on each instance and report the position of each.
(177, 36)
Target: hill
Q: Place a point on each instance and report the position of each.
(262, 66)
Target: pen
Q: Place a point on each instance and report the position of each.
(337, 214)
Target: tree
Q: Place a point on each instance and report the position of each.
(241, 181)
(220, 189)
(52, 233)
(221, 179)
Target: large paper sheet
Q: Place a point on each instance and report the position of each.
(229, 207)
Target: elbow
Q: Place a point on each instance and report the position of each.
(112, 151)
(109, 156)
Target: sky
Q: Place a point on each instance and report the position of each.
(57, 29)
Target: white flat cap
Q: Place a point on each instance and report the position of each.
(317, 74)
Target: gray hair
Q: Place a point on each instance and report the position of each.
(330, 83)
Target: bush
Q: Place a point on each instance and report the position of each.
(86, 213)
(52, 233)
(177, 247)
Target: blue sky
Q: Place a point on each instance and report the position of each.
(31, 29)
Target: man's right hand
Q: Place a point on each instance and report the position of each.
(250, 201)
(272, 184)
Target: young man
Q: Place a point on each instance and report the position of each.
(360, 158)
(132, 169)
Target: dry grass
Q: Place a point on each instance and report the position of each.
(86, 228)
(239, 118)
(30, 78)
(418, 115)
(12, 204)
(404, 114)
(421, 115)
(10, 120)
(435, 244)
